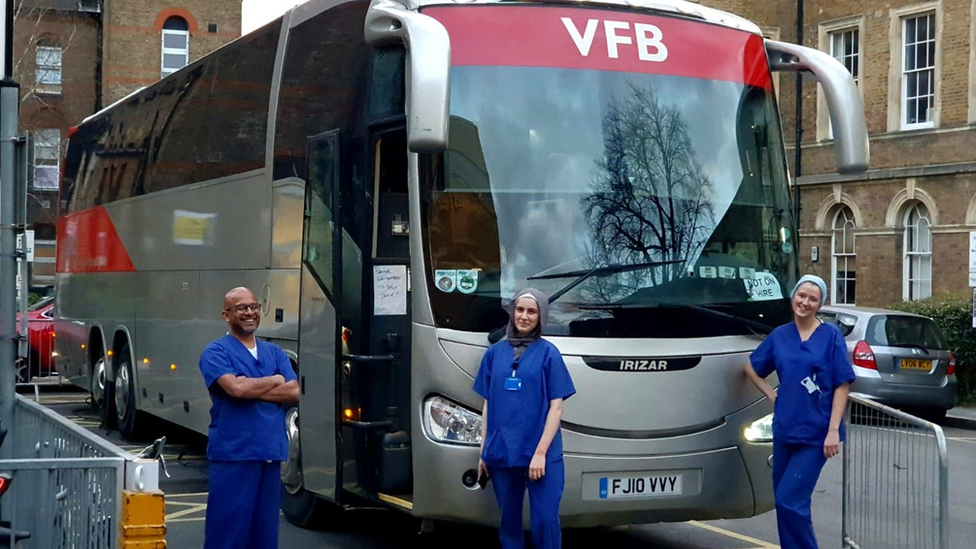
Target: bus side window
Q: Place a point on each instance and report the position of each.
(391, 210)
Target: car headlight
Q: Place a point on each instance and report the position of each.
(760, 430)
(452, 423)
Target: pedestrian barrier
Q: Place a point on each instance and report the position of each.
(73, 490)
(896, 480)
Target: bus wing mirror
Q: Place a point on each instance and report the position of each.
(843, 100)
(428, 49)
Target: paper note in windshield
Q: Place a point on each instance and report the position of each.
(764, 287)
(389, 290)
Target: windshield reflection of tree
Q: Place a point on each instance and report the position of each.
(648, 201)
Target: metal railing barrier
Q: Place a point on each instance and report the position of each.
(70, 488)
(896, 480)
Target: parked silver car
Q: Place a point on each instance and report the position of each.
(900, 359)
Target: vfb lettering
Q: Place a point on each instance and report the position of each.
(643, 365)
(650, 46)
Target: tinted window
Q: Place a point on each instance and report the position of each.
(206, 121)
(896, 330)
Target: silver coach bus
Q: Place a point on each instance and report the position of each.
(386, 174)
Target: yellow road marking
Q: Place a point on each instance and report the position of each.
(759, 543)
(194, 509)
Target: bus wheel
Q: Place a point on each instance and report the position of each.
(97, 384)
(24, 371)
(125, 395)
(301, 507)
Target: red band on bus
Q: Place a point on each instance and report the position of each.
(89, 243)
(605, 40)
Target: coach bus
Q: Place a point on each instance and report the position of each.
(385, 175)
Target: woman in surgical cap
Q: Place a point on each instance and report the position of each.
(524, 382)
(811, 362)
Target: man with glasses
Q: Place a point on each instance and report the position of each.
(250, 382)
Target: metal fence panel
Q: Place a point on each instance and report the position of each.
(67, 483)
(896, 486)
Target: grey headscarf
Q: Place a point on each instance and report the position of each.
(521, 343)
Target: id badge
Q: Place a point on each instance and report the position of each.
(513, 384)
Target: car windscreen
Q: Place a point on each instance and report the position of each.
(898, 330)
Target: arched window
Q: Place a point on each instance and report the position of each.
(843, 257)
(176, 45)
(918, 254)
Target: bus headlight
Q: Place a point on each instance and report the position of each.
(450, 422)
(760, 430)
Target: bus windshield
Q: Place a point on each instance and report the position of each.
(648, 204)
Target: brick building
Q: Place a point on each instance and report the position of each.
(75, 56)
(901, 230)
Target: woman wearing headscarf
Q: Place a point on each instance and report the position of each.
(524, 381)
(810, 360)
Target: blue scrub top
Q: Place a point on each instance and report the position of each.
(244, 429)
(800, 416)
(516, 419)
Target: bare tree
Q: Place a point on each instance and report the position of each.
(649, 198)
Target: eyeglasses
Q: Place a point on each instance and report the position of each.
(245, 307)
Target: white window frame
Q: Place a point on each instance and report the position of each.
(917, 269)
(185, 52)
(843, 257)
(49, 53)
(825, 34)
(897, 83)
(47, 140)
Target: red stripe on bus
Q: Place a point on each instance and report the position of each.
(600, 39)
(89, 243)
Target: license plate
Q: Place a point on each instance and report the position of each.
(915, 364)
(640, 487)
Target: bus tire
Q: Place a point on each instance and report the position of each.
(307, 510)
(301, 507)
(97, 384)
(124, 395)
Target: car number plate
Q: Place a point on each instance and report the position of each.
(640, 487)
(915, 364)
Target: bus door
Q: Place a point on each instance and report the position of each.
(375, 380)
(314, 455)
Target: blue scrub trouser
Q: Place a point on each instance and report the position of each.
(796, 468)
(544, 496)
(243, 505)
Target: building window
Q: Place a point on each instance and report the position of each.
(918, 254)
(47, 159)
(48, 59)
(918, 71)
(844, 47)
(844, 260)
(176, 45)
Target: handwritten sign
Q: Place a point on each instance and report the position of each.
(764, 287)
(389, 290)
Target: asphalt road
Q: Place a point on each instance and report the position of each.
(186, 505)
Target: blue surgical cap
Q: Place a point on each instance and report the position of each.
(815, 280)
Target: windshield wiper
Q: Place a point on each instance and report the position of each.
(581, 276)
(754, 325)
(598, 271)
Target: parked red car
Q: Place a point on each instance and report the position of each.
(40, 341)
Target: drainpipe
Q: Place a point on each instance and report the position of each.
(798, 130)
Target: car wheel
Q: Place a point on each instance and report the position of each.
(125, 395)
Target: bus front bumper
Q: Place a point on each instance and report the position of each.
(714, 484)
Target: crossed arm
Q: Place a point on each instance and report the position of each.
(269, 389)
